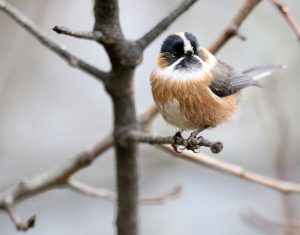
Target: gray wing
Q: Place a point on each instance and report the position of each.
(227, 81)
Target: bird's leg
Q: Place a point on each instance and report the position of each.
(195, 133)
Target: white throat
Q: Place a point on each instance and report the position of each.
(185, 75)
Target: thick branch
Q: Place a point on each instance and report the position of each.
(34, 30)
(107, 20)
(124, 57)
(95, 35)
(284, 10)
(201, 159)
(233, 28)
(150, 36)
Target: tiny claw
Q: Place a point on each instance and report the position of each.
(181, 149)
(177, 149)
(195, 150)
(176, 137)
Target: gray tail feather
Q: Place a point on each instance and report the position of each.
(262, 71)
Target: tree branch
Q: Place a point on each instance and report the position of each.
(82, 188)
(112, 196)
(258, 222)
(95, 35)
(204, 160)
(291, 20)
(140, 137)
(16, 219)
(60, 177)
(53, 178)
(106, 13)
(233, 28)
(161, 199)
(150, 36)
(34, 30)
(107, 22)
(56, 177)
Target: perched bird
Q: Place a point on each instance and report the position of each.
(194, 90)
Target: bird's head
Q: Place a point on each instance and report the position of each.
(180, 50)
(181, 58)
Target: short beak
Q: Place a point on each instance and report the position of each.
(189, 53)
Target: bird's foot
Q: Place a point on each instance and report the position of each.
(194, 142)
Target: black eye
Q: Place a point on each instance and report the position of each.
(174, 54)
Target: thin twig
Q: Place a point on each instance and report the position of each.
(17, 221)
(161, 199)
(40, 35)
(94, 35)
(80, 187)
(112, 196)
(233, 28)
(291, 20)
(150, 36)
(258, 222)
(204, 160)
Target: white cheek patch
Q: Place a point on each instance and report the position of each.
(184, 75)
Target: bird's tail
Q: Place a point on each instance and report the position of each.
(262, 71)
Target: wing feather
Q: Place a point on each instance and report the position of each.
(227, 81)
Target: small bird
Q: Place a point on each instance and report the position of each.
(194, 90)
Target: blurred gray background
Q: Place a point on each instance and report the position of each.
(49, 112)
